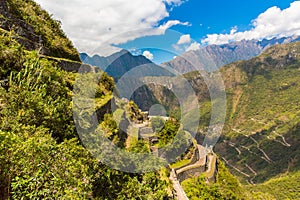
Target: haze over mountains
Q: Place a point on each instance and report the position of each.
(116, 64)
(46, 101)
(213, 57)
(209, 58)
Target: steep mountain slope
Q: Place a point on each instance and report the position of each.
(262, 133)
(261, 136)
(212, 57)
(117, 64)
(35, 28)
(284, 187)
(133, 67)
(41, 156)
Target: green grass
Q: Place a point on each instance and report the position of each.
(284, 187)
(118, 114)
(49, 29)
(180, 163)
(226, 186)
(211, 172)
(99, 102)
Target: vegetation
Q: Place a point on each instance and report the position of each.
(41, 156)
(226, 186)
(286, 186)
(34, 165)
(167, 134)
(260, 140)
(45, 28)
(38, 95)
(262, 119)
(157, 124)
(134, 112)
(179, 164)
(11, 54)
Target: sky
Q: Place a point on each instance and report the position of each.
(163, 29)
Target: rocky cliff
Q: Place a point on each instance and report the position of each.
(35, 29)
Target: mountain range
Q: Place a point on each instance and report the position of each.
(42, 156)
(260, 137)
(212, 57)
(209, 58)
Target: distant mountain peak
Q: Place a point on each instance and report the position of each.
(119, 63)
(212, 57)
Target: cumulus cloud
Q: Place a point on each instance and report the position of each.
(185, 43)
(148, 55)
(193, 47)
(91, 24)
(184, 39)
(274, 22)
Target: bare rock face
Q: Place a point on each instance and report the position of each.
(40, 33)
(25, 31)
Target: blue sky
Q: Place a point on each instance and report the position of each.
(162, 29)
(218, 16)
(205, 17)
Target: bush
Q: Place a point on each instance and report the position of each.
(37, 167)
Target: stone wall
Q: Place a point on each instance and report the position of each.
(189, 173)
(105, 109)
(72, 66)
(195, 158)
(214, 177)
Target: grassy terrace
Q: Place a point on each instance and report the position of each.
(180, 163)
(99, 102)
(118, 115)
(210, 173)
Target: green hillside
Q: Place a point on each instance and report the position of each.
(34, 28)
(263, 113)
(41, 154)
(261, 137)
(285, 186)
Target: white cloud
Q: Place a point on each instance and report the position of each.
(274, 22)
(177, 47)
(94, 23)
(185, 43)
(184, 39)
(148, 55)
(162, 28)
(194, 46)
(174, 2)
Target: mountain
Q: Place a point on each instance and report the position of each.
(261, 137)
(212, 57)
(42, 156)
(39, 32)
(118, 64)
(129, 71)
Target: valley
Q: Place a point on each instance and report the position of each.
(74, 126)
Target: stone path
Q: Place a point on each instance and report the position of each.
(180, 194)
